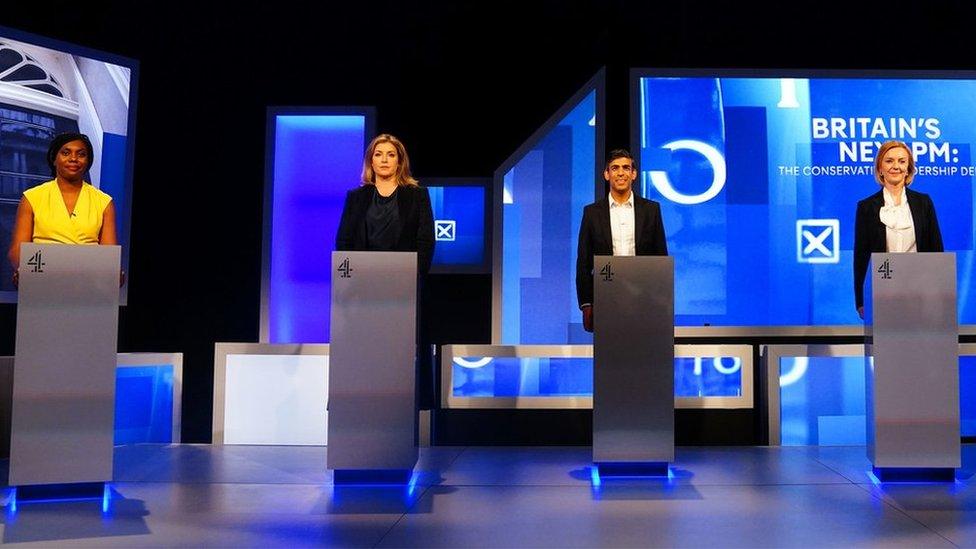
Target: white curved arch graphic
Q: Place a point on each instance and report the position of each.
(464, 363)
(660, 178)
(735, 367)
(800, 365)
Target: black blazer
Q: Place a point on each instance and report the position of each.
(416, 223)
(870, 233)
(595, 238)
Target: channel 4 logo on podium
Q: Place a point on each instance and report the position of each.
(818, 240)
(445, 230)
(36, 263)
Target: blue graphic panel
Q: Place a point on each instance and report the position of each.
(459, 225)
(144, 404)
(544, 195)
(573, 377)
(316, 159)
(967, 395)
(822, 400)
(759, 178)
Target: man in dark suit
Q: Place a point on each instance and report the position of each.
(621, 224)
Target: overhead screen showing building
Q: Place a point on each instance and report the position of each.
(49, 88)
(759, 179)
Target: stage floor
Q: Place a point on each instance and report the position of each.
(201, 495)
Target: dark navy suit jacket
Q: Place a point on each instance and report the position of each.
(416, 223)
(870, 233)
(596, 238)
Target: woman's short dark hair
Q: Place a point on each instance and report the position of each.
(61, 140)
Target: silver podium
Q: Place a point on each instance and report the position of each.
(63, 412)
(912, 387)
(372, 376)
(633, 365)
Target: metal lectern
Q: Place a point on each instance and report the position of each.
(372, 376)
(63, 415)
(912, 385)
(633, 365)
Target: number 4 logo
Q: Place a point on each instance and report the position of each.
(885, 270)
(35, 262)
(344, 269)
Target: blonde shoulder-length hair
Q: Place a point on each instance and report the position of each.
(403, 176)
(887, 146)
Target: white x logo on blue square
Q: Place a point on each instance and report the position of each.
(444, 229)
(818, 240)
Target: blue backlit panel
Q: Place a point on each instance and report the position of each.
(967, 396)
(144, 404)
(459, 227)
(822, 400)
(573, 377)
(759, 178)
(316, 158)
(543, 198)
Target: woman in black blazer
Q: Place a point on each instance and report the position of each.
(389, 211)
(893, 219)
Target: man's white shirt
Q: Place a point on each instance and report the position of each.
(622, 226)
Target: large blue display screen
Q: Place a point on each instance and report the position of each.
(573, 377)
(459, 227)
(758, 180)
(543, 199)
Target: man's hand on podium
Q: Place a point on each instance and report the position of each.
(860, 312)
(588, 318)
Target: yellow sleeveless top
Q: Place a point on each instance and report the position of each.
(52, 222)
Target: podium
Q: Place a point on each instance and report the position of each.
(63, 411)
(372, 376)
(633, 365)
(912, 387)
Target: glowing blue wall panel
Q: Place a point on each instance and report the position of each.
(544, 195)
(746, 168)
(459, 225)
(822, 400)
(967, 396)
(144, 404)
(565, 377)
(316, 159)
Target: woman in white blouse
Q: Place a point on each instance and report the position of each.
(894, 219)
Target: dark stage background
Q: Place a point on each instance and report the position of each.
(463, 85)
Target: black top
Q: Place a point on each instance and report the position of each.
(870, 233)
(596, 238)
(415, 220)
(382, 222)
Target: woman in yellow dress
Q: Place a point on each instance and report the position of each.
(65, 210)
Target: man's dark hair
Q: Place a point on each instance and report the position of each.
(61, 140)
(620, 153)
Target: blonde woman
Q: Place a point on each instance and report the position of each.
(389, 211)
(893, 219)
